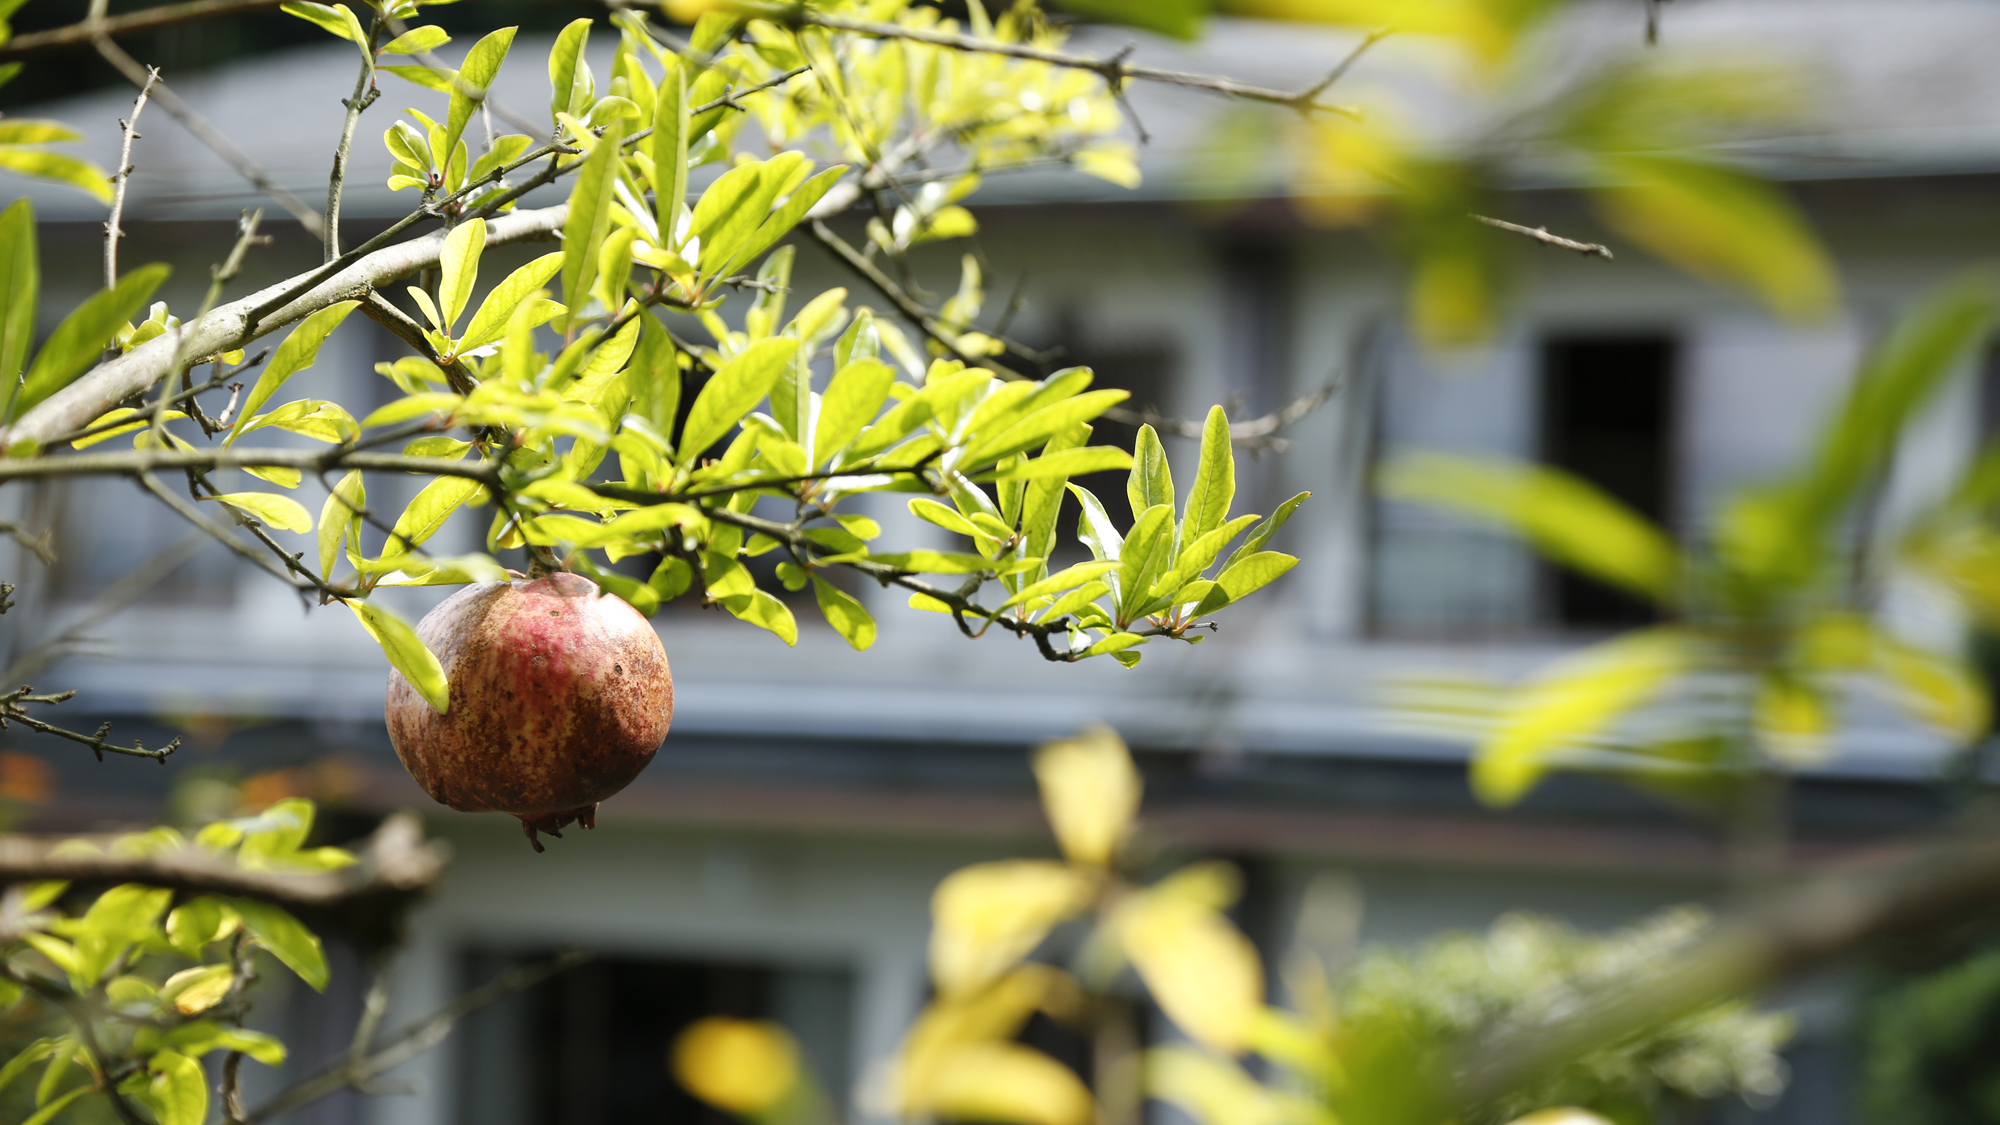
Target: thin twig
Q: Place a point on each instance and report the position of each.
(112, 231)
(166, 15)
(415, 1039)
(1256, 432)
(13, 711)
(1542, 235)
(1113, 70)
(210, 136)
(107, 603)
(365, 93)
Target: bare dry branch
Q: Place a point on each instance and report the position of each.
(13, 710)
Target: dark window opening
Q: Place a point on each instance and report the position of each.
(1607, 416)
(590, 1046)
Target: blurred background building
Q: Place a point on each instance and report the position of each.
(778, 857)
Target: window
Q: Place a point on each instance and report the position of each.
(589, 1046)
(1597, 405)
(1607, 416)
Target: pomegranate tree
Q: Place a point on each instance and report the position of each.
(560, 695)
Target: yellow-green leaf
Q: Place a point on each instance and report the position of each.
(407, 655)
(281, 512)
(1571, 703)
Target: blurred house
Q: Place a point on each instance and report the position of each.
(778, 856)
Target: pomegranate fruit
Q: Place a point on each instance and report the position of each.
(560, 695)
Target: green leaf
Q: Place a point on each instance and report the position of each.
(48, 1112)
(1151, 482)
(62, 169)
(1095, 528)
(764, 611)
(20, 283)
(1195, 556)
(121, 917)
(1570, 703)
(198, 1037)
(737, 203)
(28, 131)
(178, 1090)
(1567, 518)
(29, 1056)
(441, 79)
(1214, 479)
(565, 59)
(458, 268)
(1116, 642)
(1064, 464)
(732, 392)
(78, 342)
(1043, 501)
(297, 353)
(194, 924)
(416, 41)
(589, 219)
(475, 75)
(668, 147)
(407, 654)
(1245, 577)
(855, 396)
(427, 512)
(1144, 557)
(1039, 427)
(334, 19)
(281, 512)
(1267, 529)
(1901, 373)
(1718, 223)
(930, 511)
(413, 406)
(788, 213)
(847, 616)
(1065, 579)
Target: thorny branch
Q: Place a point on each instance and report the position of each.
(13, 709)
(122, 178)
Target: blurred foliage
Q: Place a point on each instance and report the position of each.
(1376, 1045)
(121, 994)
(1928, 1047)
(1770, 624)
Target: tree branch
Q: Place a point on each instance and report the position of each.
(230, 326)
(365, 93)
(210, 136)
(166, 15)
(1542, 235)
(112, 231)
(139, 462)
(1115, 70)
(11, 710)
(396, 862)
(1814, 922)
(415, 1039)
